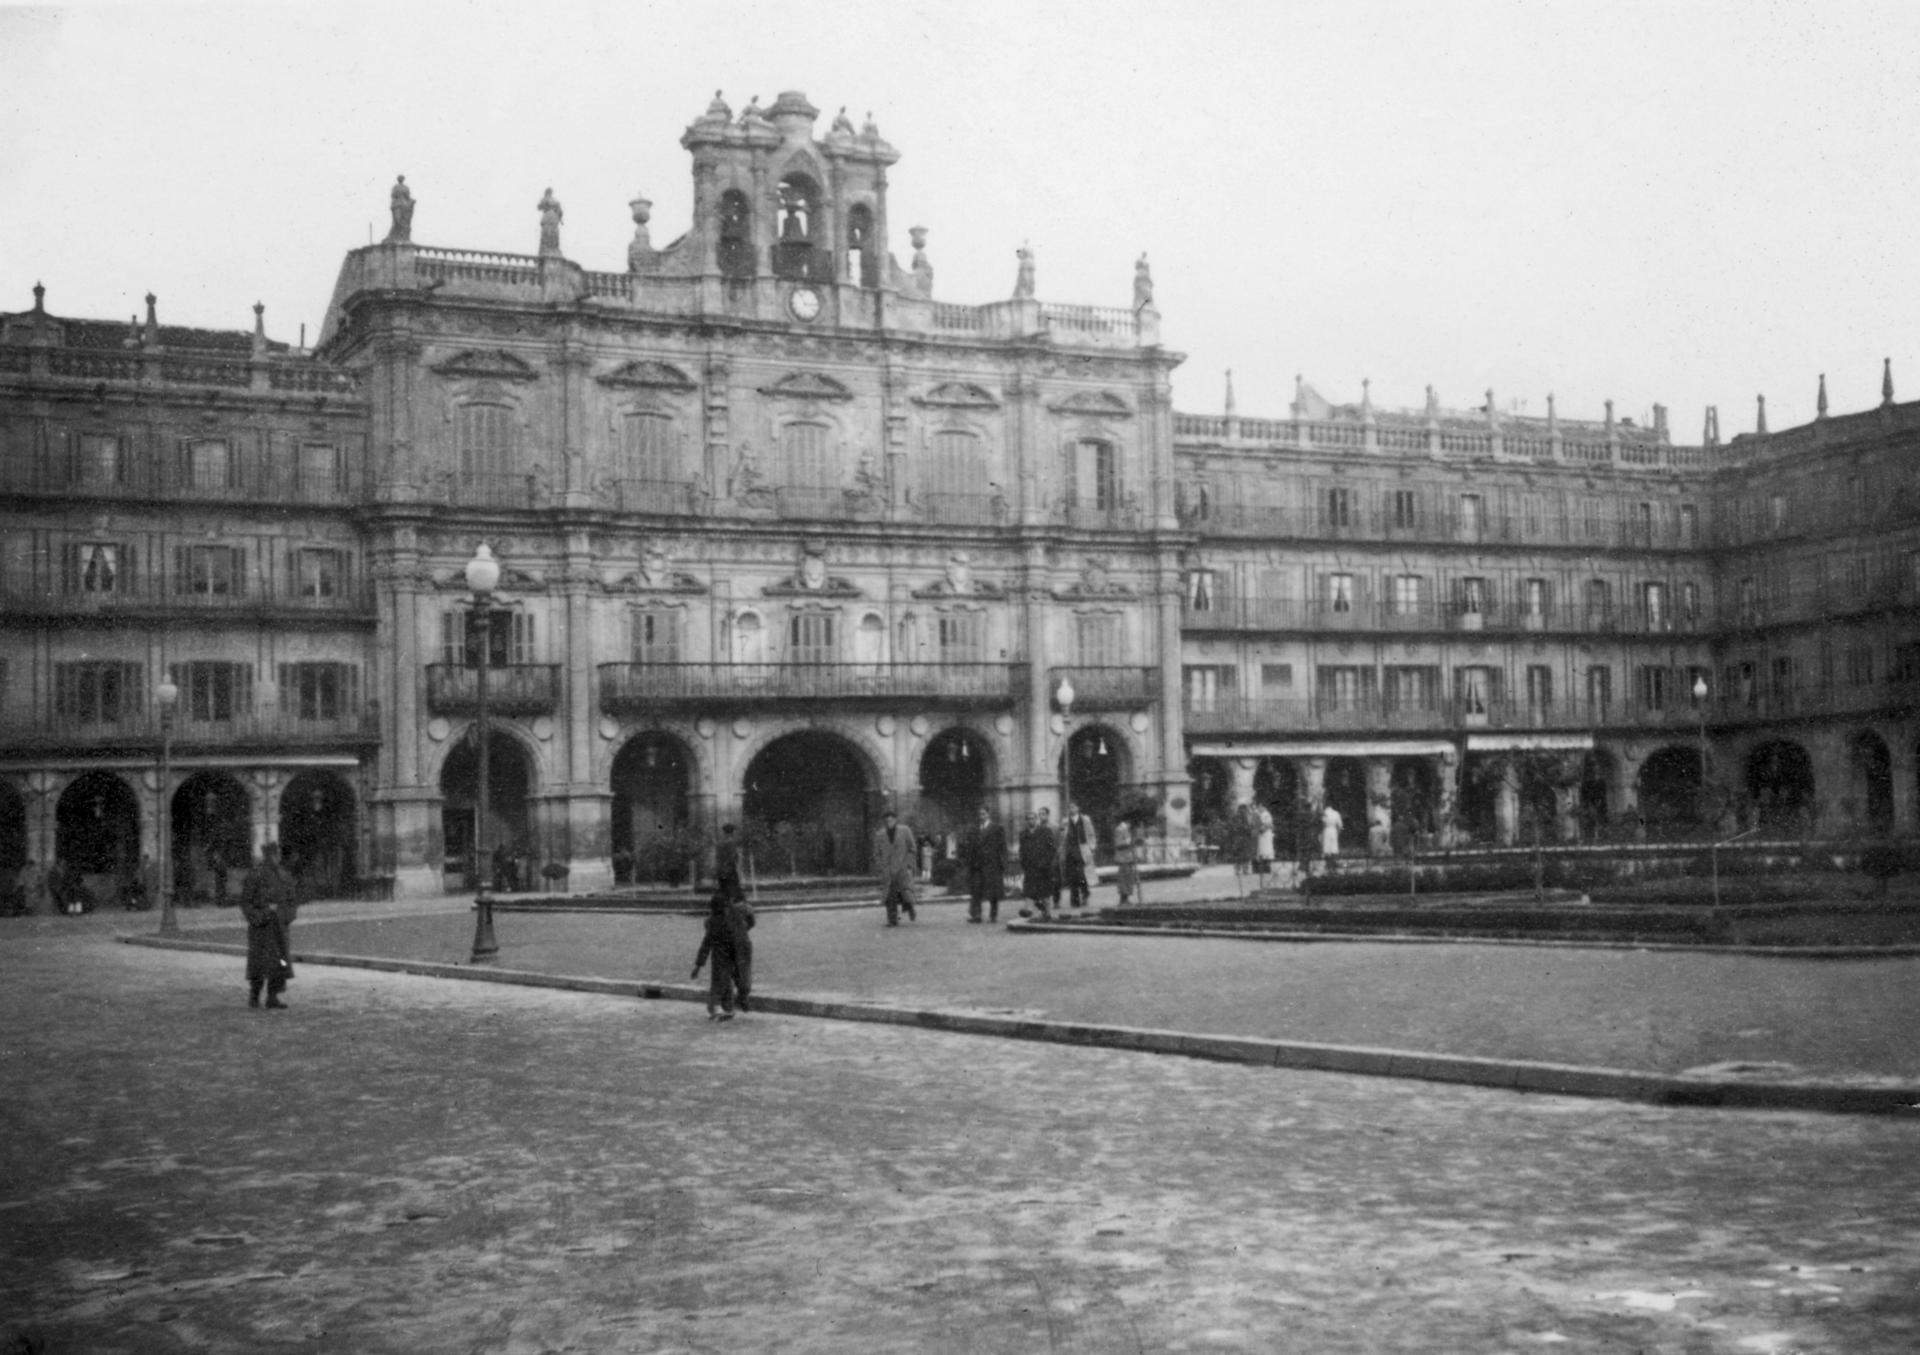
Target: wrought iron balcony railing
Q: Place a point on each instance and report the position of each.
(137, 725)
(512, 689)
(635, 688)
(1107, 687)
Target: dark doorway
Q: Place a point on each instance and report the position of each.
(13, 829)
(955, 780)
(317, 832)
(1670, 792)
(509, 784)
(1780, 785)
(212, 818)
(97, 833)
(653, 831)
(1093, 770)
(1347, 793)
(807, 804)
(1872, 782)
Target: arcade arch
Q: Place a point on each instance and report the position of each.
(212, 818)
(1669, 790)
(1870, 769)
(509, 786)
(317, 831)
(97, 831)
(652, 783)
(1780, 784)
(809, 804)
(956, 778)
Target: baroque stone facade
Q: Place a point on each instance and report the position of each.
(785, 539)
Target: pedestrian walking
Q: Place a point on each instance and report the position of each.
(1126, 862)
(1331, 823)
(1077, 841)
(895, 856)
(984, 851)
(1039, 865)
(726, 864)
(1262, 840)
(268, 903)
(725, 944)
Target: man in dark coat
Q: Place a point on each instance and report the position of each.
(896, 857)
(984, 850)
(268, 904)
(726, 864)
(1076, 856)
(1039, 865)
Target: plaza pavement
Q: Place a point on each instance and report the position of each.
(403, 1164)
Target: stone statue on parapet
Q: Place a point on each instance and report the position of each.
(402, 208)
(1142, 284)
(1023, 280)
(842, 123)
(922, 267)
(551, 216)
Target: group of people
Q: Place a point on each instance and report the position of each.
(1059, 861)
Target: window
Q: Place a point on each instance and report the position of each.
(1860, 665)
(1690, 603)
(209, 465)
(1407, 594)
(509, 638)
(1536, 600)
(807, 456)
(1591, 522)
(1404, 507)
(1532, 516)
(1098, 640)
(209, 571)
(1344, 687)
(1855, 573)
(1783, 681)
(99, 460)
(736, 235)
(810, 638)
(1473, 596)
(650, 451)
(1777, 511)
(319, 691)
(483, 439)
(1599, 604)
(1275, 677)
(1337, 508)
(1206, 685)
(862, 263)
(956, 469)
(213, 691)
(1539, 689)
(1640, 520)
(98, 568)
(1747, 594)
(1689, 525)
(318, 468)
(98, 693)
(1340, 593)
(1476, 689)
(1093, 477)
(1656, 687)
(1653, 606)
(962, 637)
(319, 575)
(1411, 687)
(1740, 680)
(1200, 590)
(1599, 688)
(1906, 663)
(656, 635)
(1472, 516)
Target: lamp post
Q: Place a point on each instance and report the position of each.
(166, 696)
(1706, 794)
(483, 576)
(1063, 694)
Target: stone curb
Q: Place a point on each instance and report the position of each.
(1512, 1075)
(1421, 939)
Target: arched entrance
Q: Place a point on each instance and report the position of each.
(808, 805)
(1094, 770)
(956, 778)
(97, 833)
(1414, 787)
(653, 830)
(1212, 796)
(1780, 785)
(509, 784)
(13, 829)
(1347, 793)
(317, 832)
(212, 821)
(1670, 786)
(1871, 768)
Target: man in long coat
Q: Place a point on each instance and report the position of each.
(268, 904)
(1077, 844)
(984, 851)
(1039, 865)
(895, 858)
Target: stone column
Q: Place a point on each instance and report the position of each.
(584, 820)
(1446, 806)
(1380, 804)
(1506, 803)
(1902, 769)
(1176, 786)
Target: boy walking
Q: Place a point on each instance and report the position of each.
(725, 942)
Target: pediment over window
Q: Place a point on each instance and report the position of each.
(808, 386)
(648, 375)
(1103, 403)
(493, 363)
(958, 395)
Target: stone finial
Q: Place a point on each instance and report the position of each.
(39, 299)
(922, 266)
(1230, 406)
(1886, 381)
(842, 124)
(1299, 396)
(1609, 406)
(259, 328)
(1366, 399)
(752, 111)
(870, 130)
(133, 333)
(1493, 408)
(1760, 422)
(640, 248)
(1023, 280)
(1553, 417)
(153, 321)
(1433, 404)
(1820, 400)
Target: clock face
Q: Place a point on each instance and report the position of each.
(804, 303)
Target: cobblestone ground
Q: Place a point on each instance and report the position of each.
(403, 1165)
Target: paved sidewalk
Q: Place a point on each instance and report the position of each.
(1450, 1010)
(402, 1166)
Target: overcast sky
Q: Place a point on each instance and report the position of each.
(1684, 203)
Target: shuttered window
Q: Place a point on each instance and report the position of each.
(809, 461)
(656, 635)
(212, 691)
(483, 437)
(98, 693)
(319, 691)
(810, 638)
(651, 451)
(209, 571)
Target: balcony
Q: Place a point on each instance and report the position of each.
(512, 689)
(141, 482)
(1404, 615)
(641, 688)
(133, 594)
(1370, 713)
(1108, 687)
(252, 729)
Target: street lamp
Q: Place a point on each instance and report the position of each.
(483, 576)
(1063, 695)
(1706, 794)
(166, 696)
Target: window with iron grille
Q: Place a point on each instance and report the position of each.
(1656, 686)
(213, 691)
(1409, 592)
(1207, 685)
(1405, 509)
(99, 459)
(1860, 665)
(1689, 525)
(1475, 596)
(1653, 605)
(483, 439)
(1476, 688)
(1200, 590)
(810, 638)
(656, 635)
(1411, 687)
(962, 636)
(510, 638)
(1340, 592)
(98, 692)
(1599, 687)
(1539, 688)
(1337, 507)
(1344, 686)
(808, 459)
(319, 691)
(1536, 598)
